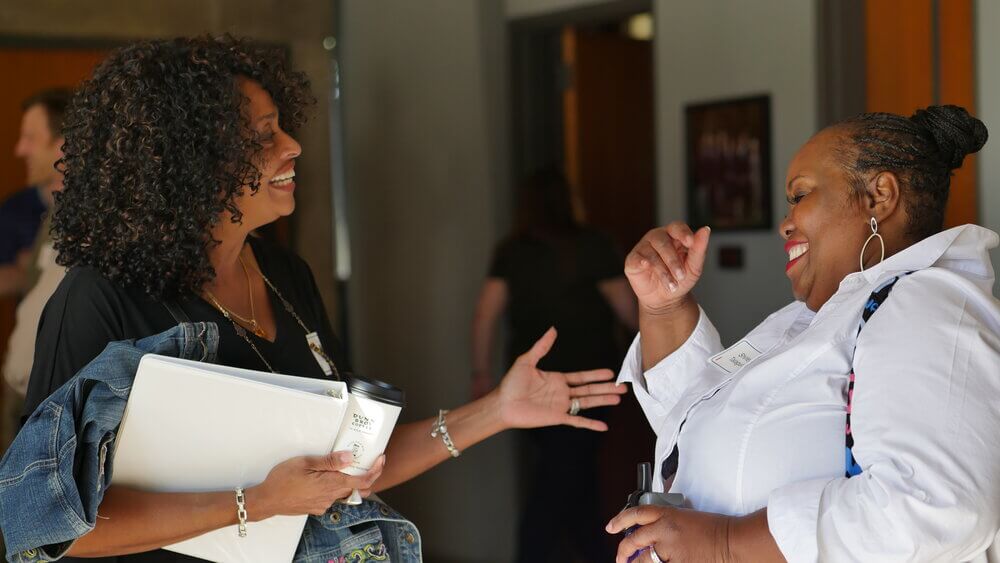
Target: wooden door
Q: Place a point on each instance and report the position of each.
(920, 53)
(609, 134)
(609, 145)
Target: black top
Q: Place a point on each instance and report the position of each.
(87, 311)
(552, 281)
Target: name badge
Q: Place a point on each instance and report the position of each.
(314, 345)
(736, 357)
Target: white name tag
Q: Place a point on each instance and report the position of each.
(313, 339)
(736, 357)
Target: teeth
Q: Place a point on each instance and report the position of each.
(284, 177)
(797, 250)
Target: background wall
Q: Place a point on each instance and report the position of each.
(299, 24)
(425, 111)
(723, 49)
(988, 108)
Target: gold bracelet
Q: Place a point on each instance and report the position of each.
(441, 427)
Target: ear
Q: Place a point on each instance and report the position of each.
(883, 199)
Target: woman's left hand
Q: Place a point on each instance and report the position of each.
(531, 398)
(676, 534)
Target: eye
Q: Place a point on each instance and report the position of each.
(796, 198)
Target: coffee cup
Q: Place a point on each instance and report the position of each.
(372, 410)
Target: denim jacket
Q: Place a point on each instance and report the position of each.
(55, 473)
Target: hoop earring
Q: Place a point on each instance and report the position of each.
(874, 226)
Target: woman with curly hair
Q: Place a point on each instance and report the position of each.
(176, 151)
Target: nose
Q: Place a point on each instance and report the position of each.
(21, 149)
(786, 228)
(290, 148)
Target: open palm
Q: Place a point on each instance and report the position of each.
(531, 398)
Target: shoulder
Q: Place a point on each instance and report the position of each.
(932, 311)
(85, 291)
(26, 199)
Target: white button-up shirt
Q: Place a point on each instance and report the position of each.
(925, 420)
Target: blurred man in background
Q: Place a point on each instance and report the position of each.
(27, 260)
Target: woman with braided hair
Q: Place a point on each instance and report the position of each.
(894, 331)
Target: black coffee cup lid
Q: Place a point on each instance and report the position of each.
(376, 390)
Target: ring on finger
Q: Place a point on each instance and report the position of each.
(574, 407)
(653, 555)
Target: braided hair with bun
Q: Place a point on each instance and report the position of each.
(921, 150)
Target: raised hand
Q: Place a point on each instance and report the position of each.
(666, 264)
(308, 485)
(531, 398)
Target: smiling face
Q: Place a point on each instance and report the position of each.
(276, 162)
(826, 224)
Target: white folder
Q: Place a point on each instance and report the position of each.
(197, 427)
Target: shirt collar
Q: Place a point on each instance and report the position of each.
(964, 249)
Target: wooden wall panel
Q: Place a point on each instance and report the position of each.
(956, 85)
(905, 74)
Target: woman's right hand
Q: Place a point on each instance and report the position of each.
(665, 265)
(308, 485)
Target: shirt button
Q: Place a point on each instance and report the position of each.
(384, 510)
(335, 517)
(409, 538)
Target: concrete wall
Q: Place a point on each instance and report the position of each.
(722, 49)
(299, 24)
(988, 109)
(424, 103)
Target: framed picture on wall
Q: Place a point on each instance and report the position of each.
(729, 163)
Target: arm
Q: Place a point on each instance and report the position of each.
(491, 304)
(133, 521)
(526, 398)
(620, 298)
(924, 420)
(662, 269)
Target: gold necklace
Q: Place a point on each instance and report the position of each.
(252, 323)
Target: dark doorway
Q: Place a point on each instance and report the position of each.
(583, 103)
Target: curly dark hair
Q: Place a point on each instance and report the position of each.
(158, 145)
(921, 150)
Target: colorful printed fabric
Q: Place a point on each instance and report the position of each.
(851, 467)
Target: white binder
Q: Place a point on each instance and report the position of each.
(197, 427)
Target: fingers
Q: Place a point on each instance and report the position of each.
(638, 516)
(681, 232)
(646, 258)
(333, 461)
(540, 348)
(599, 401)
(585, 423)
(590, 376)
(698, 250)
(597, 389)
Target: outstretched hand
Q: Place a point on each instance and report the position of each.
(532, 398)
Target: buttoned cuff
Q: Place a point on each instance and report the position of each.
(668, 379)
(660, 387)
(793, 517)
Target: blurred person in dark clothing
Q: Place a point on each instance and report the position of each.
(554, 271)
